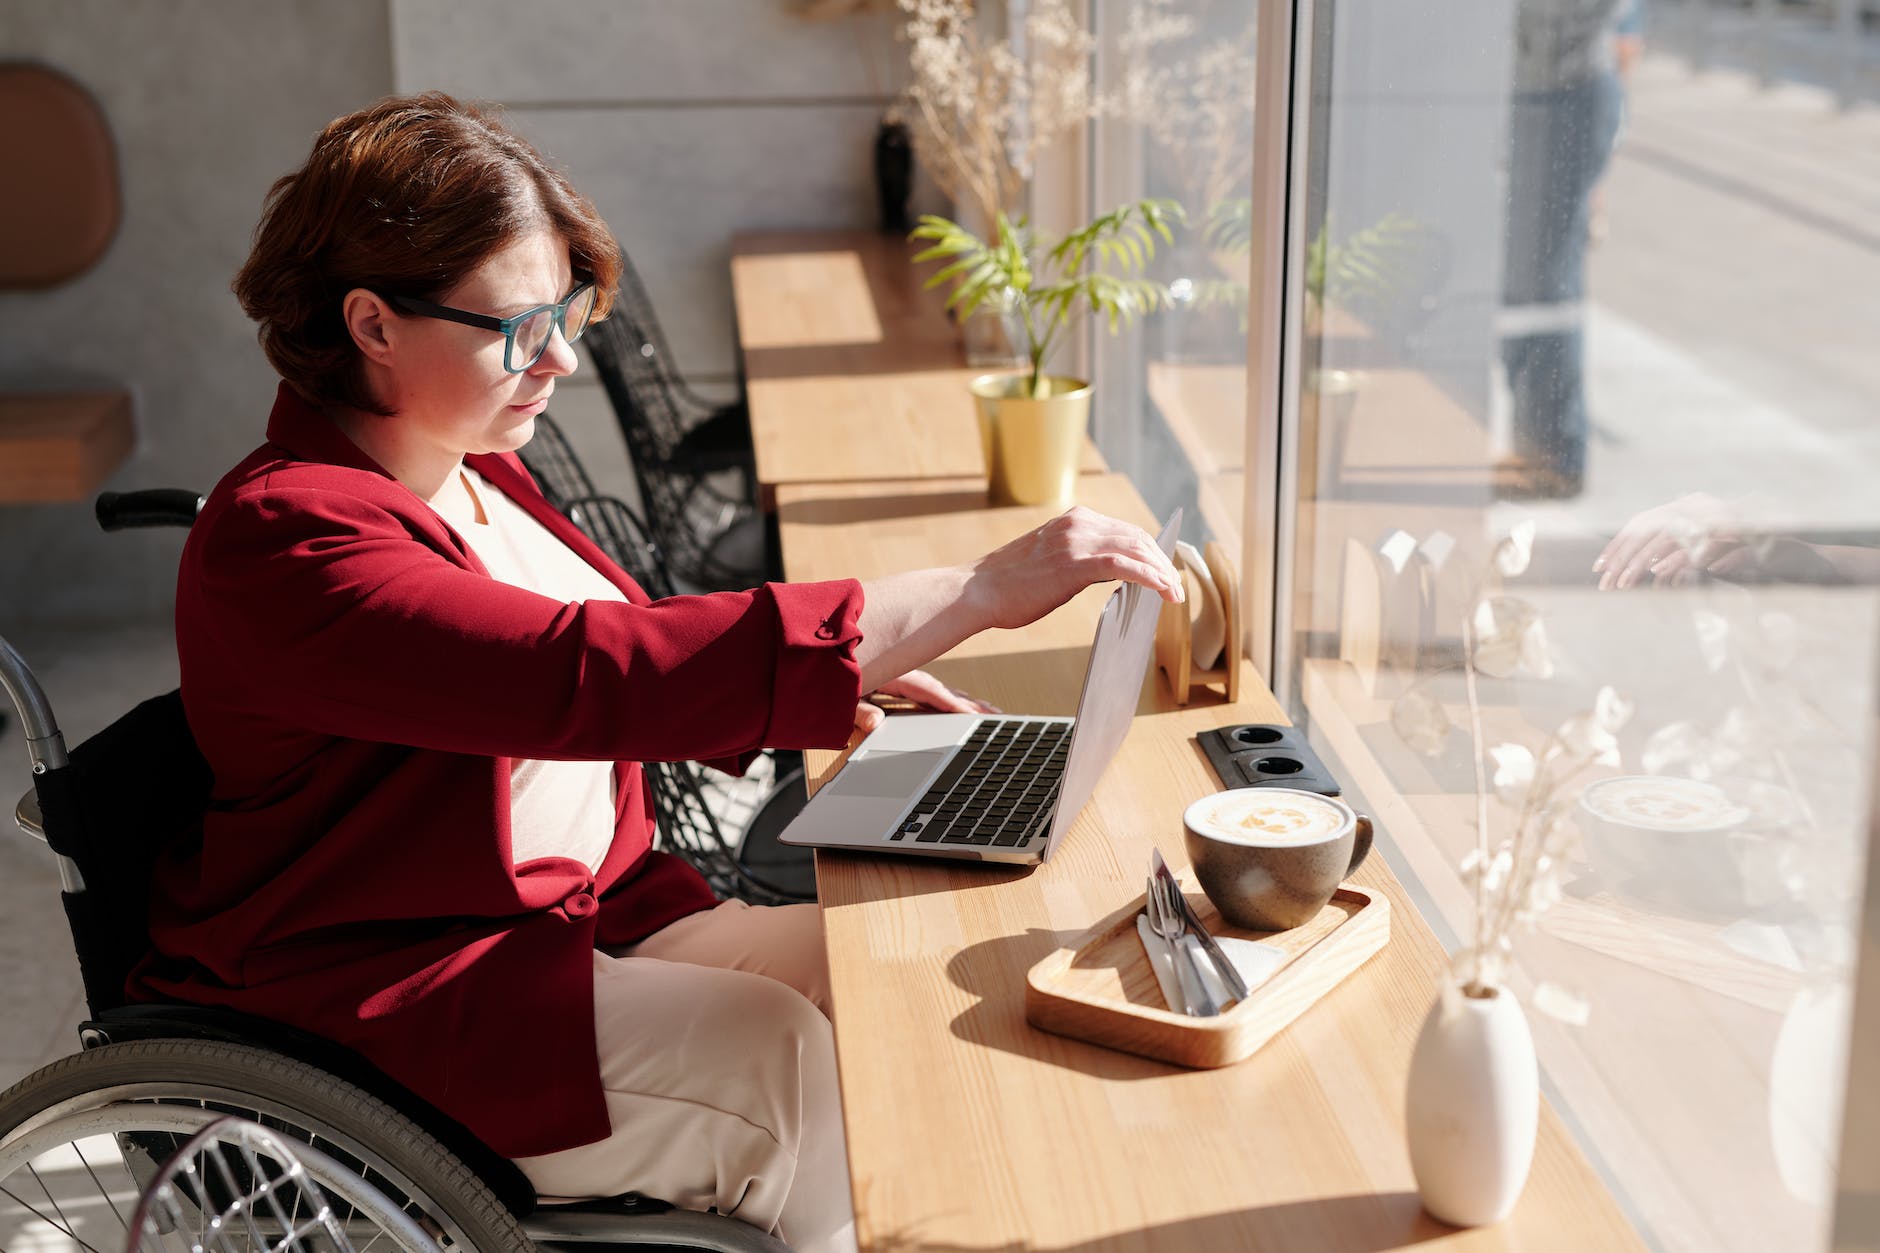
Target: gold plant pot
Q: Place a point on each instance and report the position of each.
(1032, 443)
(1325, 405)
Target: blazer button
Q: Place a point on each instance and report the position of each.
(580, 905)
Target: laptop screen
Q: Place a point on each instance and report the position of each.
(1119, 656)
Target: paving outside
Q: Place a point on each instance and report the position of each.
(1735, 305)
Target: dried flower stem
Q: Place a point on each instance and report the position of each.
(1475, 984)
(985, 109)
(1501, 635)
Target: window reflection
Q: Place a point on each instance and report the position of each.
(1172, 397)
(1555, 275)
(1631, 305)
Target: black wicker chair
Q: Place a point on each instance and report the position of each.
(694, 464)
(717, 438)
(758, 870)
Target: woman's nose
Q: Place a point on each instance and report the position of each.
(558, 358)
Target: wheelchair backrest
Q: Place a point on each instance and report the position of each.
(129, 793)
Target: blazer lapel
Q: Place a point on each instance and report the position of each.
(308, 435)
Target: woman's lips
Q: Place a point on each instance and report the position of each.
(532, 408)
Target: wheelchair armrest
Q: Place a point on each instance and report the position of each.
(27, 815)
(200, 1022)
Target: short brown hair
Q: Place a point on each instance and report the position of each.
(404, 198)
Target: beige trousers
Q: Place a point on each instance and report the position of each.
(719, 1070)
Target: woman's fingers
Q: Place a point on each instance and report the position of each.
(1040, 570)
(1161, 578)
(1669, 567)
(1647, 556)
(1697, 525)
(1129, 552)
(868, 717)
(1634, 537)
(923, 689)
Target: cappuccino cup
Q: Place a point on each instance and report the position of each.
(1270, 858)
(1670, 837)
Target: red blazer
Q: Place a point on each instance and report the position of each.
(359, 684)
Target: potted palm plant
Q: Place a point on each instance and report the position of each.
(1032, 423)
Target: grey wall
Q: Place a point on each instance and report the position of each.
(686, 122)
(209, 101)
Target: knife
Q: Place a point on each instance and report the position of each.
(1229, 975)
(1162, 962)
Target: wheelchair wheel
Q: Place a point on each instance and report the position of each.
(80, 1139)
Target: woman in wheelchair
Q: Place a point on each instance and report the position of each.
(423, 694)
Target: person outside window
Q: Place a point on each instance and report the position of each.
(1564, 111)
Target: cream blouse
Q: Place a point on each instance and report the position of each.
(556, 808)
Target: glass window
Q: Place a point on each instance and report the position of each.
(1177, 78)
(1557, 280)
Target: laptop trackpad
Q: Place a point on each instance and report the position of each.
(899, 775)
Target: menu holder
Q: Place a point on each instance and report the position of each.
(1174, 634)
(1102, 989)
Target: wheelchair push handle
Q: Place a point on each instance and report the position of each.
(157, 506)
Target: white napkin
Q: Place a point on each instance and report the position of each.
(1207, 617)
(1255, 960)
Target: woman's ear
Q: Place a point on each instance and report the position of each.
(370, 322)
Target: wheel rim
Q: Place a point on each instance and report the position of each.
(68, 1181)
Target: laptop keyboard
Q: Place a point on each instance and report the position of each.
(999, 788)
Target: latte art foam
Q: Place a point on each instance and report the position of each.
(1253, 817)
(1663, 804)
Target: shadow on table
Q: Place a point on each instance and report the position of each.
(932, 349)
(914, 503)
(896, 876)
(994, 971)
(1357, 1223)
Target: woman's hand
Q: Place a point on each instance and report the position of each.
(925, 692)
(1672, 543)
(909, 619)
(1024, 580)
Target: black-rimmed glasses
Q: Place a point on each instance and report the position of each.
(525, 336)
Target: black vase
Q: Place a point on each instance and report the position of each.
(894, 175)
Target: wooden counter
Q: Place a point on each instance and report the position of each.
(971, 1130)
(852, 369)
(59, 446)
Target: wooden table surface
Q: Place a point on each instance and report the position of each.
(971, 1130)
(853, 370)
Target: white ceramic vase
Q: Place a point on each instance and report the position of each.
(1807, 1082)
(1473, 1107)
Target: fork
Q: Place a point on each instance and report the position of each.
(1167, 923)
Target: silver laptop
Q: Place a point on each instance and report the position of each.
(999, 788)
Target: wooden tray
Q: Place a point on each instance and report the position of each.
(1101, 988)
